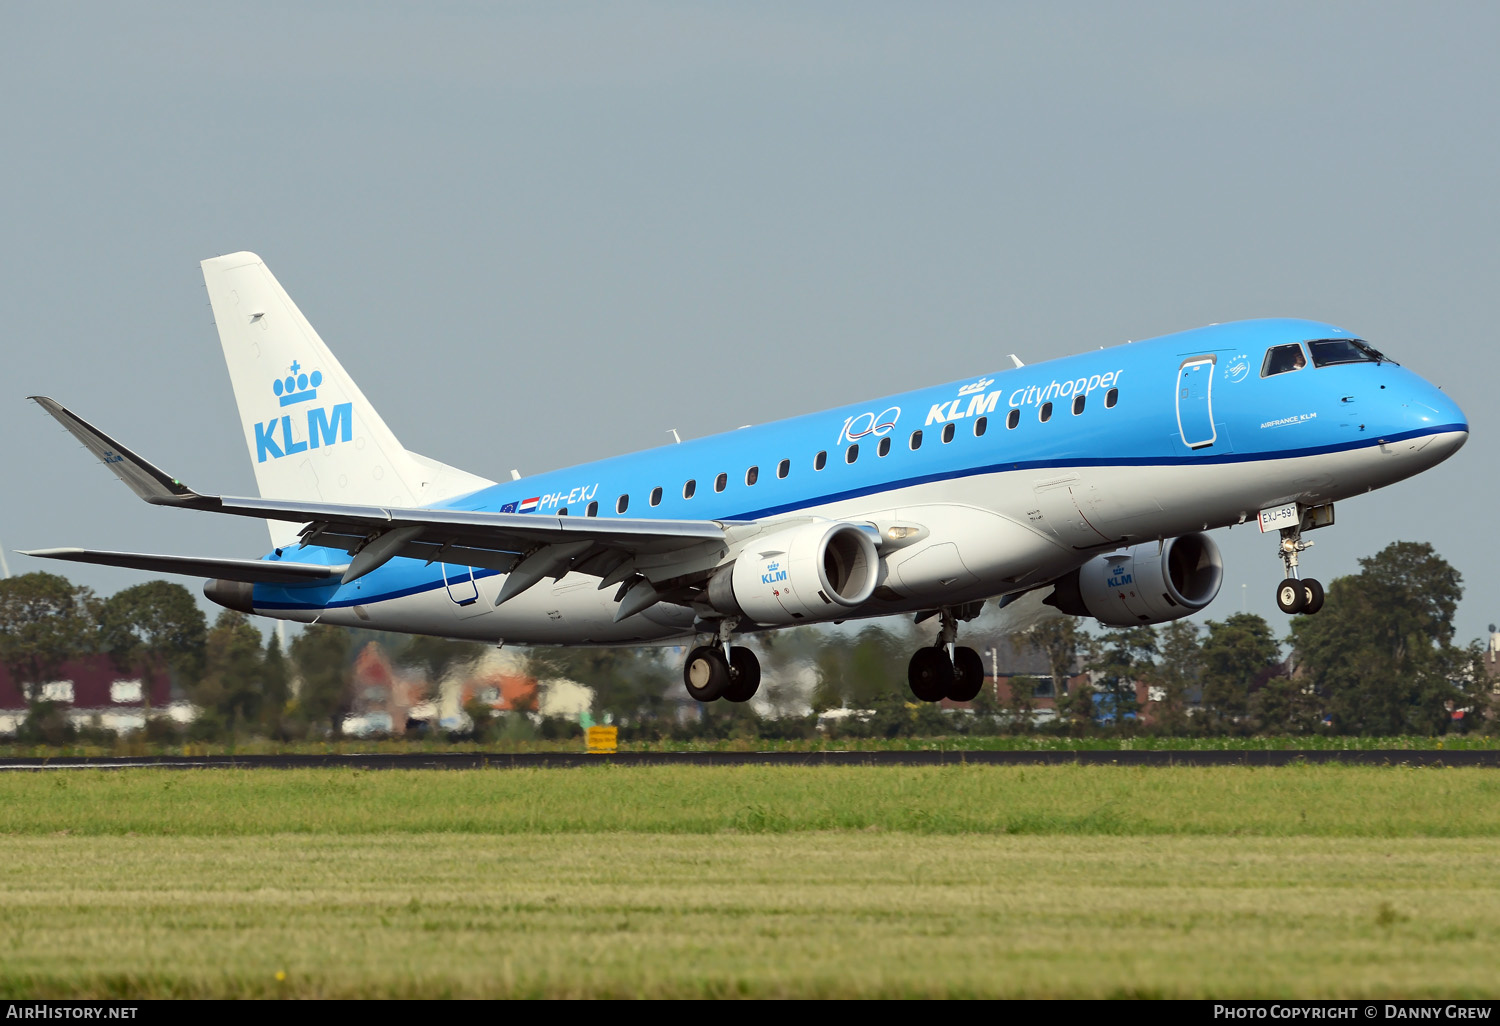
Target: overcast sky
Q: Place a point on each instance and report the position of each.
(542, 233)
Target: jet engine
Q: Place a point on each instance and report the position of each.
(801, 574)
(1145, 584)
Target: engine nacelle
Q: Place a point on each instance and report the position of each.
(801, 574)
(1145, 584)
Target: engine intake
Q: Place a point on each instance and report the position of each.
(799, 575)
(1144, 584)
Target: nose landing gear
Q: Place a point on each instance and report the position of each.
(1295, 595)
(942, 670)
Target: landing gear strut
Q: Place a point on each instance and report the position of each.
(1295, 595)
(720, 670)
(942, 670)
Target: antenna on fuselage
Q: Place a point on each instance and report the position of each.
(1016, 360)
(675, 437)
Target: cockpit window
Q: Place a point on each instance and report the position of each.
(1280, 359)
(1326, 351)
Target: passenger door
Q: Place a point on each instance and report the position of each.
(1195, 414)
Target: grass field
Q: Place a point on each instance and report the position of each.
(753, 881)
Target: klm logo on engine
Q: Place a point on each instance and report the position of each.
(773, 574)
(284, 435)
(1118, 578)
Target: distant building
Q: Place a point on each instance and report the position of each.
(387, 697)
(98, 695)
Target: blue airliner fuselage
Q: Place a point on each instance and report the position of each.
(1087, 480)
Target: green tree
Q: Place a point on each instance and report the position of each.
(276, 689)
(1238, 655)
(1060, 640)
(321, 657)
(1381, 652)
(863, 670)
(1178, 667)
(1020, 704)
(1284, 705)
(228, 693)
(152, 626)
(44, 622)
(875, 668)
(1118, 659)
(988, 711)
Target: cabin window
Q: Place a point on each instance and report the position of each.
(1077, 405)
(622, 504)
(820, 460)
(1282, 359)
(563, 512)
(783, 468)
(752, 475)
(721, 482)
(1327, 351)
(980, 425)
(1111, 397)
(948, 432)
(851, 454)
(656, 496)
(916, 440)
(593, 510)
(1012, 419)
(1046, 413)
(689, 488)
(884, 448)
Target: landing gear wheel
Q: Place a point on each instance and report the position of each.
(706, 673)
(744, 673)
(968, 675)
(930, 674)
(1291, 596)
(1312, 593)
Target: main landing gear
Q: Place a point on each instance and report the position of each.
(720, 670)
(1295, 595)
(942, 671)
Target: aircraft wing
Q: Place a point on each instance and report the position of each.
(251, 570)
(526, 546)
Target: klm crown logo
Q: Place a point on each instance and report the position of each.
(278, 436)
(297, 387)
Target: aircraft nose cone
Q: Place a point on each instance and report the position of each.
(1435, 425)
(1432, 410)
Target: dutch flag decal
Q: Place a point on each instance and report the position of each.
(530, 505)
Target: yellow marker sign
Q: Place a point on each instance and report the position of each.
(603, 740)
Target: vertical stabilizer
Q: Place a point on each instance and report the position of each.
(310, 431)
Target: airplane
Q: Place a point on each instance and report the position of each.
(1091, 481)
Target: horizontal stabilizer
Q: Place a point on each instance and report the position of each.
(254, 571)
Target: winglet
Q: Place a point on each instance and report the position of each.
(146, 480)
